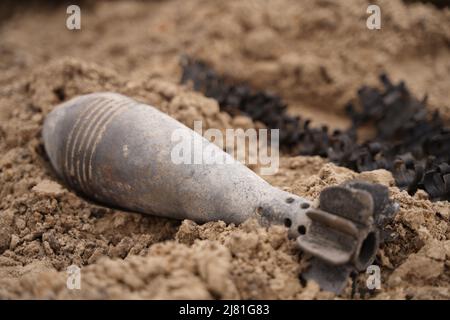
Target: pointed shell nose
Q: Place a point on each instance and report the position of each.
(72, 130)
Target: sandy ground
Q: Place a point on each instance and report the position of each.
(314, 54)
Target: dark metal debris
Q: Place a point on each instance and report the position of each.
(411, 141)
(296, 134)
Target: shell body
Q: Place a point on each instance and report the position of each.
(118, 151)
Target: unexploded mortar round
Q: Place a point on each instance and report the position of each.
(118, 151)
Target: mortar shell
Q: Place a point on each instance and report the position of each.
(118, 151)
